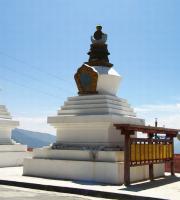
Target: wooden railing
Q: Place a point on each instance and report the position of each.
(144, 151)
(176, 164)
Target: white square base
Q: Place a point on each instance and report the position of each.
(103, 172)
(13, 159)
(13, 155)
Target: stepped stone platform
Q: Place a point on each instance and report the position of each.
(96, 105)
(87, 139)
(4, 112)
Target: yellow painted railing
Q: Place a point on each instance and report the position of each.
(150, 151)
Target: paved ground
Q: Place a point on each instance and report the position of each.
(163, 188)
(16, 193)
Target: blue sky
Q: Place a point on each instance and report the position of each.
(43, 42)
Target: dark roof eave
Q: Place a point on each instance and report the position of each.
(147, 129)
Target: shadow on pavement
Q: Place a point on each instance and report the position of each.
(152, 184)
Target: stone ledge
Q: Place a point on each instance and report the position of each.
(161, 188)
(83, 155)
(77, 191)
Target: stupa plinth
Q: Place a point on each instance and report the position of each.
(88, 147)
(11, 153)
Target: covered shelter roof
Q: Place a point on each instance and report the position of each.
(148, 129)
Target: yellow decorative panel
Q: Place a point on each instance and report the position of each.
(86, 80)
(146, 151)
(157, 151)
(164, 151)
(133, 157)
(150, 151)
(142, 152)
(167, 150)
(161, 151)
(170, 151)
(137, 152)
(154, 151)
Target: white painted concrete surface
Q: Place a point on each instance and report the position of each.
(85, 155)
(102, 172)
(13, 158)
(96, 105)
(11, 153)
(89, 120)
(165, 188)
(108, 80)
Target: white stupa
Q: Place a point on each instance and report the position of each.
(88, 147)
(11, 153)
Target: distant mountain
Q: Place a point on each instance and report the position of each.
(37, 139)
(32, 139)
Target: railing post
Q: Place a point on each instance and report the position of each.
(126, 158)
(172, 161)
(151, 170)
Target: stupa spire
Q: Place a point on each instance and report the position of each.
(97, 76)
(98, 54)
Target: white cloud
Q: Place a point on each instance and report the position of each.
(38, 124)
(159, 108)
(168, 114)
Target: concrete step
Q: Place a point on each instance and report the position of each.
(6, 141)
(5, 116)
(96, 111)
(96, 101)
(92, 97)
(97, 106)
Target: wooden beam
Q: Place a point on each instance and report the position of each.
(126, 158)
(172, 161)
(151, 167)
(147, 129)
(151, 172)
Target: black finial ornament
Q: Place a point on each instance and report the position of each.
(98, 54)
(98, 34)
